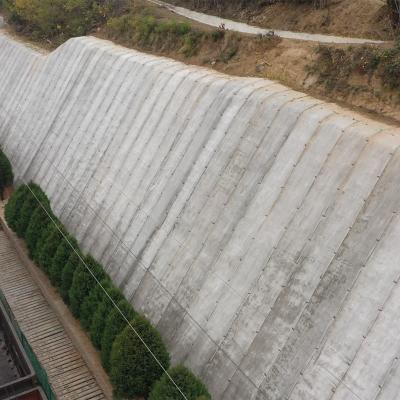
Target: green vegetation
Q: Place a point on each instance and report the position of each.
(60, 259)
(38, 223)
(14, 205)
(74, 262)
(49, 243)
(103, 310)
(124, 21)
(149, 32)
(83, 282)
(133, 368)
(29, 205)
(56, 20)
(334, 66)
(91, 303)
(6, 174)
(114, 324)
(188, 383)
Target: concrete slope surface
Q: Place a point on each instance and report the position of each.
(242, 27)
(257, 227)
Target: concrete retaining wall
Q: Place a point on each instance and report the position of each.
(257, 227)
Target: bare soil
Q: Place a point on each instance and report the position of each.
(354, 18)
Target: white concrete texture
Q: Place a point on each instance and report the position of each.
(242, 27)
(257, 227)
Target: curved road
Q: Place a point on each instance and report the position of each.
(254, 30)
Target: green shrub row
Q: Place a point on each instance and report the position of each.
(132, 369)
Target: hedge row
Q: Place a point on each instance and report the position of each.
(132, 369)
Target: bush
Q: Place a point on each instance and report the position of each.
(14, 205)
(6, 174)
(91, 303)
(49, 244)
(83, 282)
(114, 325)
(68, 273)
(39, 222)
(390, 60)
(102, 311)
(187, 382)
(133, 369)
(60, 259)
(34, 199)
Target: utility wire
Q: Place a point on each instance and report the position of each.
(105, 291)
(145, 267)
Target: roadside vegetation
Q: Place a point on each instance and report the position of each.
(336, 66)
(133, 370)
(145, 30)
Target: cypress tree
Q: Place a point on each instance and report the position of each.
(91, 303)
(68, 273)
(39, 222)
(113, 326)
(187, 382)
(34, 199)
(101, 313)
(83, 282)
(133, 369)
(14, 205)
(60, 259)
(49, 246)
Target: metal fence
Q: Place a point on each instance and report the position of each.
(41, 374)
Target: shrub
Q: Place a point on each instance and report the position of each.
(102, 311)
(60, 259)
(39, 222)
(335, 67)
(390, 60)
(114, 325)
(187, 382)
(49, 244)
(14, 205)
(133, 369)
(68, 273)
(91, 303)
(34, 199)
(146, 30)
(83, 282)
(6, 174)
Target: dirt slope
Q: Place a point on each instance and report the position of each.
(356, 18)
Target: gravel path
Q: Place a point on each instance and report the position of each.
(245, 28)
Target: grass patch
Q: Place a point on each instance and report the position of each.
(146, 31)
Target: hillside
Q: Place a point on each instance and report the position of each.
(354, 18)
